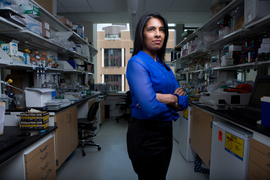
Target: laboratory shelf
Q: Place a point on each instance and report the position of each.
(6, 24)
(211, 23)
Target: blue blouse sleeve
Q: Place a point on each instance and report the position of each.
(141, 86)
(182, 100)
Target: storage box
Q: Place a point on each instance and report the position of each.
(32, 11)
(46, 29)
(11, 48)
(36, 97)
(265, 111)
(235, 48)
(33, 25)
(256, 9)
(66, 22)
(223, 32)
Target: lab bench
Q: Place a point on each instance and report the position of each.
(201, 138)
(63, 132)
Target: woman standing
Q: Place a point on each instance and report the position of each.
(156, 97)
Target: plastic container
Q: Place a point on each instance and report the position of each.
(265, 111)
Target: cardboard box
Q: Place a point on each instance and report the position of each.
(46, 29)
(11, 48)
(66, 22)
(47, 5)
(237, 27)
(33, 25)
(224, 31)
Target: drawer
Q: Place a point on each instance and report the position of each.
(39, 149)
(40, 167)
(260, 147)
(41, 157)
(48, 174)
(250, 177)
(257, 171)
(260, 159)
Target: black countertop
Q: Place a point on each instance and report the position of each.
(13, 109)
(11, 131)
(248, 123)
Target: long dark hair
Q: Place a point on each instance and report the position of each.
(138, 42)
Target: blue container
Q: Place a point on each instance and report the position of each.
(265, 111)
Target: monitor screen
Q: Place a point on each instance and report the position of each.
(261, 88)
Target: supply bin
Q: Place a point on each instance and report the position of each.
(229, 152)
(107, 111)
(265, 111)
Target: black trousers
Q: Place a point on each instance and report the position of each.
(149, 145)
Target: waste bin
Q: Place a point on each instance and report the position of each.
(107, 111)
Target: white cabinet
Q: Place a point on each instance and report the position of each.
(15, 167)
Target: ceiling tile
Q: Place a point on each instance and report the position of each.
(182, 8)
(73, 3)
(187, 3)
(79, 8)
(104, 8)
(102, 2)
(61, 10)
(156, 8)
(162, 3)
(202, 9)
(206, 3)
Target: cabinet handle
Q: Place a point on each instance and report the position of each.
(70, 116)
(268, 165)
(48, 172)
(43, 167)
(44, 148)
(41, 157)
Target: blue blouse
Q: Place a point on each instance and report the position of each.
(147, 77)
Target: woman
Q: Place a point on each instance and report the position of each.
(156, 96)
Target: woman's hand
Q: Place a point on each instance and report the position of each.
(179, 91)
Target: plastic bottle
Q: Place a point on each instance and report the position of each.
(27, 58)
(33, 61)
(38, 58)
(44, 60)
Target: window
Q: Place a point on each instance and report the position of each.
(115, 81)
(112, 57)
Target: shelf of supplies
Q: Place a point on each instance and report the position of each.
(49, 18)
(190, 56)
(242, 66)
(261, 23)
(211, 23)
(31, 40)
(6, 24)
(230, 38)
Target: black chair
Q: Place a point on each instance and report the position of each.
(125, 107)
(87, 127)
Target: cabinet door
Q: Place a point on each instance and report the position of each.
(61, 138)
(205, 136)
(73, 129)
(102, 111)
(195, 130)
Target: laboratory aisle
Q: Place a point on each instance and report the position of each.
(112, 162)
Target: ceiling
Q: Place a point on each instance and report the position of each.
(192, 13)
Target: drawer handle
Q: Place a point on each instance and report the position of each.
(44, 148)
(41, 157)
(48, 172)
(43, 167)
(268, 165)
